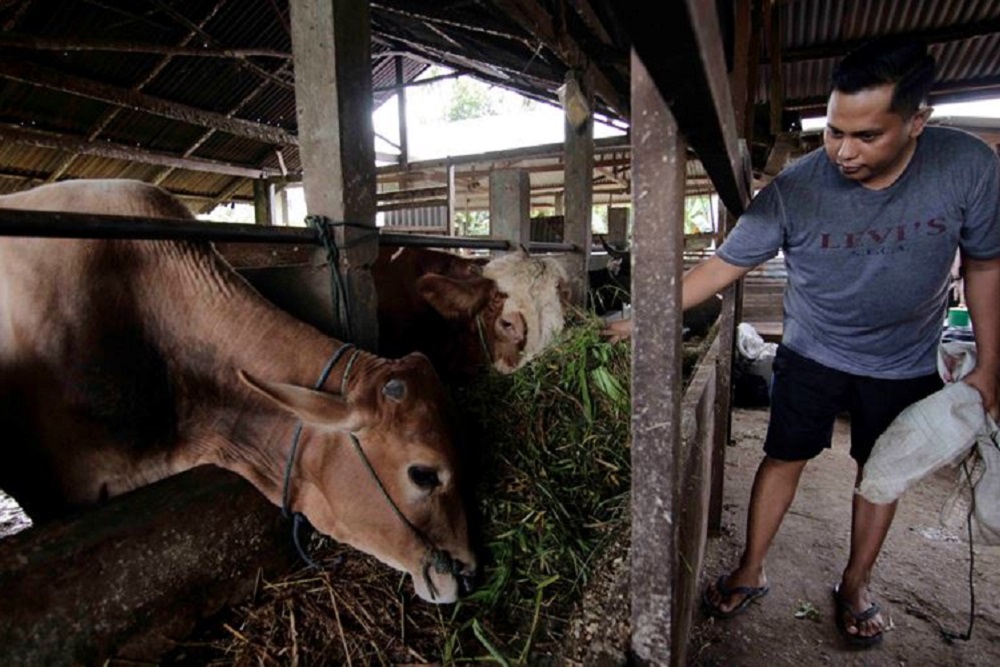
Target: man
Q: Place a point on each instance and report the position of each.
(869, 228)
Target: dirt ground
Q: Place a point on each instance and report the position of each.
(921, 579)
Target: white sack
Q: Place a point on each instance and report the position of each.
(956, 359)
(928, 435)
(758, 353)
(983, 465)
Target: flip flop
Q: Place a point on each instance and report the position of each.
(749, 592)
(868, 614)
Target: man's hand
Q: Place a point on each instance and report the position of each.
(618, 330)
(988, 386)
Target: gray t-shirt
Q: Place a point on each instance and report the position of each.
(868, 270)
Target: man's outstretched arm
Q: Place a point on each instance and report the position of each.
(705, 279)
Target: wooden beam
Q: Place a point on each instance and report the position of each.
(111, 113)
(682, 52)
(606, 144)
(413, 194)
(421, 82)
(208, 134)
(777, 81)
(43, 139)
(539, 22)
(180, 18)
(33, 43)
(44, 77)
(114, 584)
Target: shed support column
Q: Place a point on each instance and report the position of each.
(659, 166)
(579, 184)
(450, 178)
(618, 227)
(262, 202)
(331, 44)
(510, 206)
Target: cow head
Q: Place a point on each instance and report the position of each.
(394, 411)
(512, 307)
(532, 315)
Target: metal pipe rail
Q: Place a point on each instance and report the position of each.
(89, 226)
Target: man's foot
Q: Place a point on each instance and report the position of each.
(862, 628)
(729, 596)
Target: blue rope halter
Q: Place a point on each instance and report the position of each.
(439, 559)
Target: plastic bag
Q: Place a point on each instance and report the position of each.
(977, 488)
(927, 436)
(752, 368)
(757, 355)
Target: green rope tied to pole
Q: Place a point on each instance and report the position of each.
(338, 288)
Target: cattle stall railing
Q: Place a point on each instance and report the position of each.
(83, 225)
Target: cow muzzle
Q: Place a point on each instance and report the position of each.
(443, 579)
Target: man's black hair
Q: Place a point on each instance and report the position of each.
(894, 60)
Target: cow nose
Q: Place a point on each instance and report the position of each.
(466, 584)
(466, 578)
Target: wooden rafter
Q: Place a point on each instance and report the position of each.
(683, 56)
(112, 113)
(540, 23)
(45, 77)
(32, 43)
(41, 139)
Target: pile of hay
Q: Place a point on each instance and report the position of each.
(550, 462)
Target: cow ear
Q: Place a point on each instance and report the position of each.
(313, 407)
(455, 299)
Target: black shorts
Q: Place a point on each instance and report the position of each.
(807, 396)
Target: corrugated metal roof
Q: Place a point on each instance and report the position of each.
(59, 118)
(964, 38)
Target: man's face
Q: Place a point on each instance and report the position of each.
(867, 142)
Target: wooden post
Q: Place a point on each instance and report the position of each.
(450, 178)
(404, 142)
(331, 43)
(618, 227)
(282, 205)
(579, 186)
(510, 206)
(262, 202)
(742, 84)
(659, 165)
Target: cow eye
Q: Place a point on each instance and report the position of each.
(394, 389)
(424, 477)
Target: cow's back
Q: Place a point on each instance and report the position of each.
(78, 367)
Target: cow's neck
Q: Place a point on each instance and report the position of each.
(232, 328)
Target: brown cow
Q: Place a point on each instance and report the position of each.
(468, 314)
(123, 362)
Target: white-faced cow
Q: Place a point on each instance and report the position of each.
(123, 362)
(468, 314)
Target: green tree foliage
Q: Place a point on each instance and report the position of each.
(470, 99)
